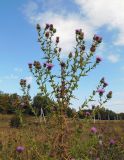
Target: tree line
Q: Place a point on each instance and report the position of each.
(10, 102)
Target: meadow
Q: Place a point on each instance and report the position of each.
(103, 140)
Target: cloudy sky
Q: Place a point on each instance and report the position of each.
(18, 41)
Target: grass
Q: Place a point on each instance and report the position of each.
(38, 139)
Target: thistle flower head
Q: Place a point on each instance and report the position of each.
(87, 113)
(100, 91)
(112, 142)
(98, 59)
(20, 149)
(93, 130)
(97, 38)
(49, 66)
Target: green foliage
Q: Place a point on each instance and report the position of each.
(43, 102)
(15, 122)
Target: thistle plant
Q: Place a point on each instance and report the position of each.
(60, 86)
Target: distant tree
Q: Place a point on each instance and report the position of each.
(43, 102)
(71, 112)
(4, 102)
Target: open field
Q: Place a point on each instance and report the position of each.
(83, 145)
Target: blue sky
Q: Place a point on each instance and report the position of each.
(18, 41)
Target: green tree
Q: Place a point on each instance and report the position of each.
(43, 102)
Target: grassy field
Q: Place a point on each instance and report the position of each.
(38, 140)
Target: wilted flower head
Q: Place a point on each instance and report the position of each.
(93, 130)
(47, 34)
(98, 59)
(20, 149)
(100, 91)
(109, 95)
(93, 48)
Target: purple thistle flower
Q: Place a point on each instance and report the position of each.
(93, 130)
(100, 91)
(87, 113)
(112, 142)
(22, 105)
(98, 59)
(77, 31)
(49, 66)
(20, 149)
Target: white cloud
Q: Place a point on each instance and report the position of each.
(29, 79)
(114, 58)
(93, 15)
(65, 25)
(105, 12)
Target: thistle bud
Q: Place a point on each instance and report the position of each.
(82, 48)
(38, 27)
(54, 30)
(23, 82)
(63, 64)
(102, 80)
(57, 39)
(30, 65)
(70, 55)
(51, 27)
(60, 49)
(105, 84)
(47, 26)
(98, 59)
(34, 63)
